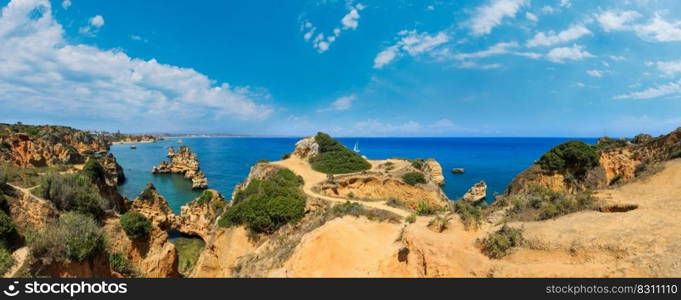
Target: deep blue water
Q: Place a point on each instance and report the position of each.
(227, 161)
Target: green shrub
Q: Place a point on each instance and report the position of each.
(573, 156)
(121, 264)
(418, 163)
(541, 203)
(205, 197)
(675, 154)
(74, 237)
(262, 161)
(355, 209)
(608, 143)
(440, 223)
(410, 218)
(499, 244)
(265, 205)
(334, 158)
(69, 193)
(423, 209)
(6, 260)
(94, 171)
(413, 178)
(136, 226)
(286, 156)
(469, 213)
(9, 235)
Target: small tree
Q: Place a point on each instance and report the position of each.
(413, 178)
(136, 226)
(573, 156)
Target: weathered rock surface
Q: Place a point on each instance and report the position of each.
(433, 171)
(306, 148)
(477, 192)
(458, 170)
(184, 162)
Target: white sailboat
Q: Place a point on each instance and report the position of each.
(356, 148)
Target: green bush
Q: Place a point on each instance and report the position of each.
(410, 218)
(9, 235)
(136, 226)
(265, 205)
(499, 244)
(469, 213)
(572, 156)
(74, 237)
(69, 192)
(418, 164)
(413, 178)
(334, 158)
(675, 154)
(6, 261)
(608, 143)
(423, 209)
(94, 171)
(355, 209)
(541, 203)
(121, 264)
(205, 197)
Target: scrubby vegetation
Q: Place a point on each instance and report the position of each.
(121, 264)
(469, 213)
(9, 235)
(574, 156)
(136, 226)
(440, 223)
(410, 218)
(74, 237)
(26, 177)
(608, 143)
(6, 261)
(265, 205)
(542, 204)
(423, 209)
(357, 210)
(72, 192)
(499, 244)
(188, 251)
(334, 158)
(205, 197)
(414, 178)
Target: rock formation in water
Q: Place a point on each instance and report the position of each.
(184, 162)
(477, 192)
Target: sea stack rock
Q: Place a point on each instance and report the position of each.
(476, 193)
(458, 170)
(184, 162)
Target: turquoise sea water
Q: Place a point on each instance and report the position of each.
(227, 161)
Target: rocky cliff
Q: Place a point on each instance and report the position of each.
(184, 162)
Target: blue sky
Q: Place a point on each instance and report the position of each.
(350, 68)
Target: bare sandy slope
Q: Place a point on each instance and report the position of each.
(640, 242)
(312, 178)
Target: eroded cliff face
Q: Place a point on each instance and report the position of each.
(384, 182)
(616, 164)
(47, 145)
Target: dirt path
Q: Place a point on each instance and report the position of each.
(312, 178)
(19, 256)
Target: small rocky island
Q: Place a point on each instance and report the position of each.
(185, 162)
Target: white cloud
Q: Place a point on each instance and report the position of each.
(373, 127)
(66, 4)
(565, 3)
(340, 104)
(351, 20)
(412, 43)
(595, 73)
(551, 38)
(669, 68)
(491, 15)
(617, 58)
(321, 42)
(547, 10)
(576, 52)
(430, 7)
(614, 20)
(477, 66)
(660, 30)
(97, 21)
(386, 56)
(655, 92)
(497, 49)
(41, 70)
(94, 24)
(532, 17)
